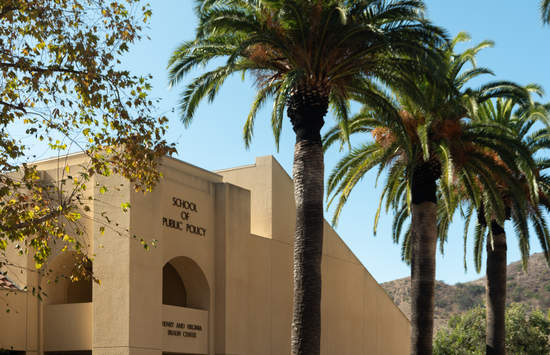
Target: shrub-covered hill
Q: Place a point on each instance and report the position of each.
(531, 288)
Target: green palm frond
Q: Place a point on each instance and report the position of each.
(467, 221)
(461, 37)
(545, 11)
(541, 230)
(479, 242)
(521, 229)
(406, 246)
(360, 123)
(262, 96)
(468, 75)
(523, 184)
(398, 222)
(206, 85)
(350, 171)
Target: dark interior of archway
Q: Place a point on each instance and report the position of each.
(80, 291)
(173, 289)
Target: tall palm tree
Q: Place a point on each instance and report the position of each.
(305, 55)
(429, 135)
(522, 206)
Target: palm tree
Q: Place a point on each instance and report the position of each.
(521, 206)
(305, 55)
(545, 11)
(427, 137)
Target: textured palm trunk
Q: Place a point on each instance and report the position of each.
(495, 291)
(306, 113)
(424, 240)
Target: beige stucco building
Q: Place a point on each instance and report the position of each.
(218, 281)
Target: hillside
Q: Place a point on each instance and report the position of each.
(532, 288)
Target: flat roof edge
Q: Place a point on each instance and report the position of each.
(172, 162)
(235, 168)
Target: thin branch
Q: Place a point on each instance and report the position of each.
(19, 107)
(27, 224)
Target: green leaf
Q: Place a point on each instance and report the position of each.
(125, 206)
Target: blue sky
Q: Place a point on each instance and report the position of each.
(214, 139)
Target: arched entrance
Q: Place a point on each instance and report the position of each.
(184, 284)
(58, 286)
(186, 302)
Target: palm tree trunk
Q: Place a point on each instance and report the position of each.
(306, 112)
(424, 241)
(495, 291)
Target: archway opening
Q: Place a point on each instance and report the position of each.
(58, 286)
(184, 284)
(173, 288)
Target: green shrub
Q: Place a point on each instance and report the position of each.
(526, 333)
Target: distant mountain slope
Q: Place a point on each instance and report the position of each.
(532, 288)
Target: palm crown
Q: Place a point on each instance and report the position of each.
(524, 204)
(429, 128)
(328, 51)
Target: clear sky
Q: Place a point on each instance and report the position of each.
(214, 139)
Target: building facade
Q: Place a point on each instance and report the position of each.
(217, 281)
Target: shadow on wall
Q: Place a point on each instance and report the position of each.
(59, 288)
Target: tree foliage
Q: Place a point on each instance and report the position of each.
(429, 137)
(527, 205)
(62, 89)
(527, 333)
(433, 124)
(334, 49)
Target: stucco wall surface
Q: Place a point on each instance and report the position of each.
(357, 317)
(13, 322)
(229, 236)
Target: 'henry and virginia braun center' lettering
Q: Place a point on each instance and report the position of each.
(181, 329)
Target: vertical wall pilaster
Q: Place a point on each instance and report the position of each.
(111, 299)
(232, 232)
